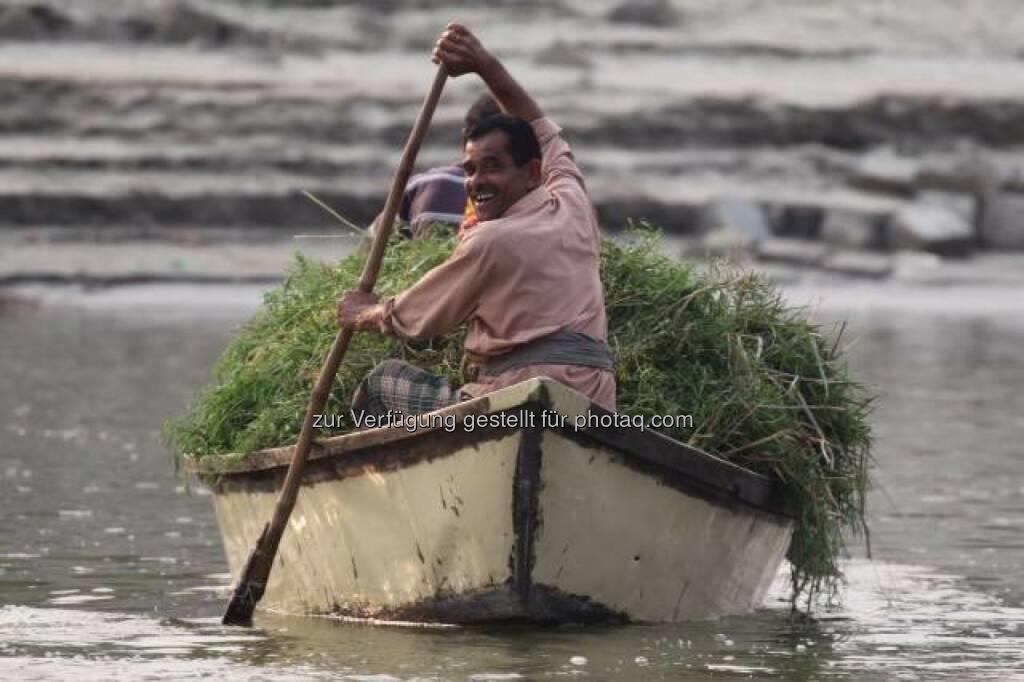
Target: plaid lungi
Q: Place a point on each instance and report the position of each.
(396, 385)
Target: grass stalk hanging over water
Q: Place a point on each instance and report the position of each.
(767, 389)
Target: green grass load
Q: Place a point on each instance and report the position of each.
(767, 388)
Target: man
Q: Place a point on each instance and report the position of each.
(524, 278)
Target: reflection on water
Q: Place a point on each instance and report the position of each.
(90, 497)
(948, 429)
(898, 622)
(111, 567)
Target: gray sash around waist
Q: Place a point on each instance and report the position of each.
(560, 348)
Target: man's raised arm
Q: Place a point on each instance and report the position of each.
(461, 52)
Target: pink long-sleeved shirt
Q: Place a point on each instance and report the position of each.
(534, 271)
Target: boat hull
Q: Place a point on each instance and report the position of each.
(510, 523)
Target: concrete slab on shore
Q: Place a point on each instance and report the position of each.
(27, 259)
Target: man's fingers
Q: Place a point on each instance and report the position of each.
(444, 56)
(456, 52)
(451, 44)
(447, 55)
(458, 33)
(457, 48)
(462, 40)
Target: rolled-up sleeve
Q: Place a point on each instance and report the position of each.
(564, 180)
(444, 298)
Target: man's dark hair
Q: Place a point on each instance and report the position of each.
(522, 143)
(483, 107)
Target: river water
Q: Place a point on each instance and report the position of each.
(111, 565)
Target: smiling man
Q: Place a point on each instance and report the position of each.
(524, 277)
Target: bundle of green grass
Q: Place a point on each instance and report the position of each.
(767, 389)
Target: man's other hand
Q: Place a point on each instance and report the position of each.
(358, 310)
(460, 51)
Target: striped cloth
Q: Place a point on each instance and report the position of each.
(400, 387)
(437, 195)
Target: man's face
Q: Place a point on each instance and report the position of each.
(493, 180)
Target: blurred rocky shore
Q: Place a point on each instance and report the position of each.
(171, 138)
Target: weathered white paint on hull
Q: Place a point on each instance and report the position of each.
(377, 542)
(643, 548)
(512, 524)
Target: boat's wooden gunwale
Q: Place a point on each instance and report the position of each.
(675, 463)
(684, 466)
(271, 458)
(380, 457)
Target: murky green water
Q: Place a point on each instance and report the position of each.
(110, 567)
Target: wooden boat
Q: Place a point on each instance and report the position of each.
(521, 512)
